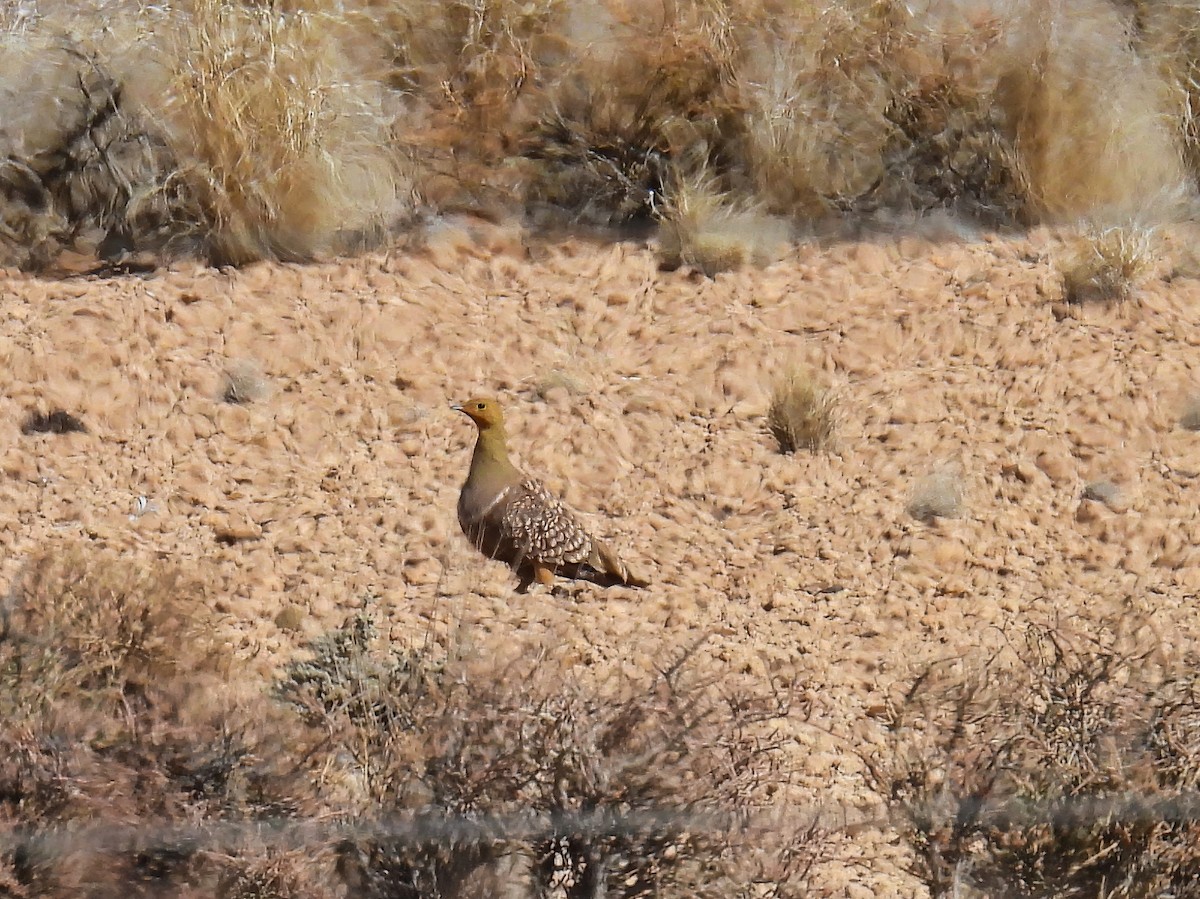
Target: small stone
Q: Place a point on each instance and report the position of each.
(1105, 492)
(1023, 471)
(1056, 466)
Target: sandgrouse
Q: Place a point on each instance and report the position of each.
(514, 519)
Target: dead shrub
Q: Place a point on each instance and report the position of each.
(1107, 264)
(636, 93)
(499, 767)
(1167, 35)
(1062, 765)
(802, 413)
(1086, 94)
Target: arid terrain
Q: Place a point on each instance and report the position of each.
(641, 395)
(865, 330)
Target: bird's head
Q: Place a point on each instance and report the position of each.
(485, 412)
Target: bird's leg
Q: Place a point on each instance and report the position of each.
(526, 582)
(543, 575)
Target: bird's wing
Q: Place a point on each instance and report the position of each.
(542, 528)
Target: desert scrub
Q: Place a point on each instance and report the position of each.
(503, 766)
(122, 736)
(1107, 263)
(713, 231)
(802, 413)
(639, 90)
(82, 167)
(1061, 763)
(280, 135)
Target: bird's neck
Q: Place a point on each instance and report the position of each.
(491, 456)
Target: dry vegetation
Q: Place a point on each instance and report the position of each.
(129, 758)
(1061, 763)
(296, 130)
(1107, 264)
(802, 413)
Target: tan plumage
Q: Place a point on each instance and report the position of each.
(514, 519)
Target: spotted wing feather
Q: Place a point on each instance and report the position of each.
(542, 528)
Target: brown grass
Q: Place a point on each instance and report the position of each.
(290, 130)
(712, 232)
(300, 164)
(1107, 264)
(116, 712)
(802, 413)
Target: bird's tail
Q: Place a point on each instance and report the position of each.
(614, 571)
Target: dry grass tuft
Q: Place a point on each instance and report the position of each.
(1063, 764)
(802, 414)
(81, 167)
(279, 135)
(641, 88)
(938, 495)
(1108, 264)
(708, 230)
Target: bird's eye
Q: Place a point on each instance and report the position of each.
(481, 406)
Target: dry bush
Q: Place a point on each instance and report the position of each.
(1063, 765)
(713, 232)
(938, 494)
(472, 58)
(802, 413)
(281, 137)
(866, 107)
(1108, 264)
(816, 94)
(120, 738)
(1074, 89)
(1167, 34)
(638, 90)
(81, 168)
(490, 769)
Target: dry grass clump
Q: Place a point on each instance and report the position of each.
(1074, 89)
(494, 770)
(802, 413)
(121, 738)
(1064, 765)
(712, 232)
(1107, 264)
(282, 139)
(1167, 34)
(937, 495)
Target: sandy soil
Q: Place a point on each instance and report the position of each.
(641, 396)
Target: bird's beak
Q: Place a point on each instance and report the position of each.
(457, 407)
